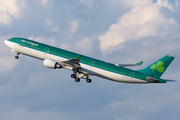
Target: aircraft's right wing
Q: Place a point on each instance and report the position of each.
(72, 63)
(128, 65)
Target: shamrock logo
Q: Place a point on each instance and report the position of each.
(158, 66)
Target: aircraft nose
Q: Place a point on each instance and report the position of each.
(5, 42)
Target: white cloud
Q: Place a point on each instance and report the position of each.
(177, 3)
(43, 1)
(7, 59)
(73, 26)
(9, 112)
(83, 46)
(10, 9)
(5, 17)
(132, 3)
(141, 21)
(46, 3)
(8, 63)
(48, 22)
(56, 29)
(177, 6)
(165, 3)
(50, 41)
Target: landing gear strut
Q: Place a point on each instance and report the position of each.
(78, 79)
(16, 57)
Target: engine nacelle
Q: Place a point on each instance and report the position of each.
(51, 64)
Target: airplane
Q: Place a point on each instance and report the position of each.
(84, 67)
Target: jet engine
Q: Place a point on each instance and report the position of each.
(51, 64)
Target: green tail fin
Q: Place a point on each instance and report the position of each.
(159, 67)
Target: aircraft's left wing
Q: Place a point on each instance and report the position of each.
(128, 65)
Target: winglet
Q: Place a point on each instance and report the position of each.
(139, 63)
(79, 57)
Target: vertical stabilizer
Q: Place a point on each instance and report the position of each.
(159, 67)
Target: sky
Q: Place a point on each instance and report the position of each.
(117, 31)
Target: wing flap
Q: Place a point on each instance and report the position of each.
(74, 63)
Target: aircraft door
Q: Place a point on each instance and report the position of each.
(46, 50)
(132, 74)
(17, 42)
(92, 64)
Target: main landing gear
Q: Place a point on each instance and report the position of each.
(16, 57)
(78, 79)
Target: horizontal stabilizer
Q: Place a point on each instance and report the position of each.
(155, 80)
(128, 65)
(158, 80)
(170, 80)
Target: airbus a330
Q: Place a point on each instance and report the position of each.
(83, 66)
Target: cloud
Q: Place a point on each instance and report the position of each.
(7, 59)
(48, 40)
(48, 22)
(56, 29)
(165, 3)
(73, 26)
(10, 112)
(10, 9)
(132, 3)
(83, 46)
(177, 7)
(143, 105)
(140, 22)
(45, 2)
(85, 10)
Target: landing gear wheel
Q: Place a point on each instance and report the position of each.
(77, 80)
(16, 57)
(88, 80)
(73, 76)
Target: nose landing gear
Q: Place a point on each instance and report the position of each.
(16, 57)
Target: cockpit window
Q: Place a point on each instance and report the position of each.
(10, 39)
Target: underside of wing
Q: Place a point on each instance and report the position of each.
(73, 63)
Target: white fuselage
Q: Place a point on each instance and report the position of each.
(90, 69)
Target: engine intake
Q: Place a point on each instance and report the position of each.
(51, 64)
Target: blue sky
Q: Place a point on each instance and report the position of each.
(117, 31)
